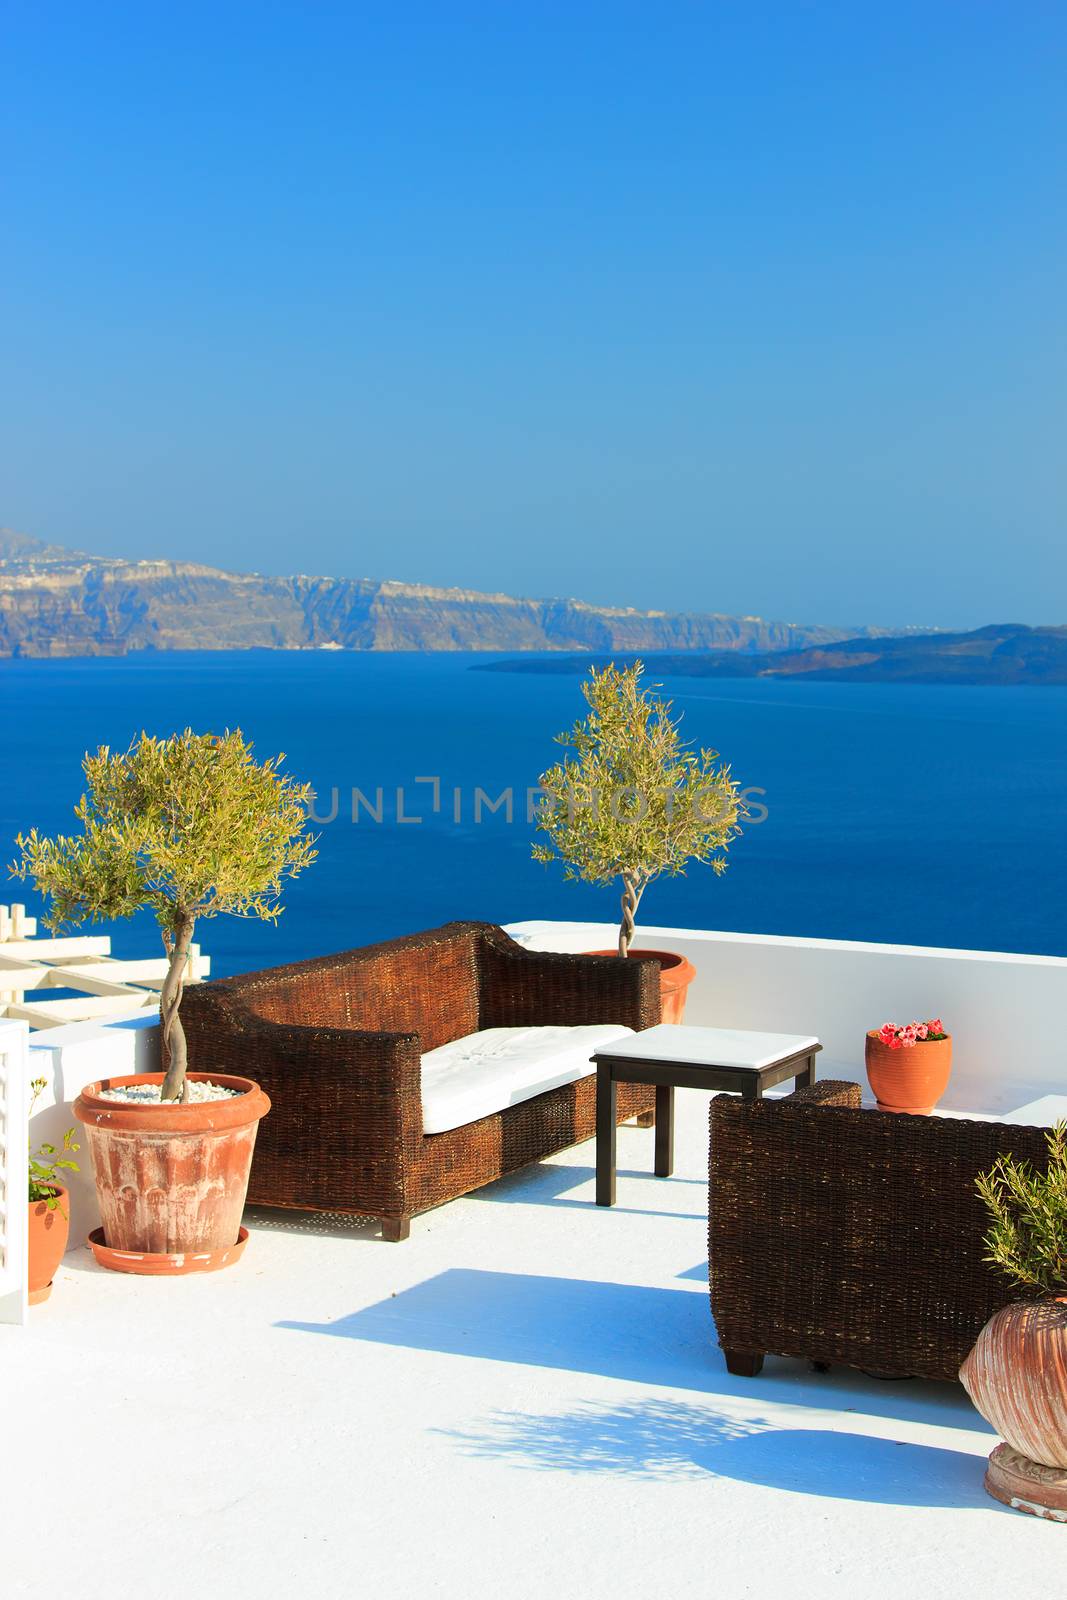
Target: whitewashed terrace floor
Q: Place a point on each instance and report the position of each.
(525, 1399)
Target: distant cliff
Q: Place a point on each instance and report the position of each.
(58, 602)
(1003, 653)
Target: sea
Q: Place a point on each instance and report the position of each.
(897, 813)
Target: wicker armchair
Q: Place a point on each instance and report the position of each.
(852, 1236)
(337, 1043)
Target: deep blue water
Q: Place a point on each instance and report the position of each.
(899, 813)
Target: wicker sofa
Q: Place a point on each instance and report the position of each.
(852, 1236)
(338, 1042)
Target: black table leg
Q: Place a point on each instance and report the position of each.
(605, 1136)
(752, 1088)
(664, 1130)
(805, 1079)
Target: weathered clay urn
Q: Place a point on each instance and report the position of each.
(1017, 1377)
(170, 1179)
(675, 976)
(910, 1080)
(48, 1232)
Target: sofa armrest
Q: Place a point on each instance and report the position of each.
(519, 987)
(346, 1105)
(830, 1092)
(379, 1073)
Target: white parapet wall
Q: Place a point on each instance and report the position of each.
(68, 1058)
(14, 1210)
(1005, 1012)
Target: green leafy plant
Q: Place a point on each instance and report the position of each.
(189, 827)
(633, 801)
(46, 1162)
(1027, 1239)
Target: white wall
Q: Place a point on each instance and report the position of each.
(14, 1244)
(1006, 1013)
(68, 1058)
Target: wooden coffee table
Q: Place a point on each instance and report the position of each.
(672, 1055)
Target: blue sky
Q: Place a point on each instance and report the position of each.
(736, 307)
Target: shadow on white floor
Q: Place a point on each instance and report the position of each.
(665, 1439)
(642, 1334)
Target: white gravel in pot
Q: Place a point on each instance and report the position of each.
(149, 1093)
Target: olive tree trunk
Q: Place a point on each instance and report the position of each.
(175, 1052)
(632, 890)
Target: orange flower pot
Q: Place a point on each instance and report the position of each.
(48, 1241)
(171, 1179)
(911, 1080)
(675, 976)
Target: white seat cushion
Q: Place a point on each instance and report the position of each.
(485, 1072)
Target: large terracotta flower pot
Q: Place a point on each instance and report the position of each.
(170, 1179)
(1016, 1375)
(909, 1079)
(675, 976)
(47, 1242)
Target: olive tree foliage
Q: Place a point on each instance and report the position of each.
(632, 801)
(190, 826)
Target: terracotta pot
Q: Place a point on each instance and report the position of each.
(909, 1080)
(48, 1240)
(1020, 1483)
(1017, 1377)
(152, 1265)
(675, 976)
(171, 1179)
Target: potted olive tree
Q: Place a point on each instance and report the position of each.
(1016, 1373)
(631, 803)
(187, 827)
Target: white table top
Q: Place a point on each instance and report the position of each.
(710, 1047)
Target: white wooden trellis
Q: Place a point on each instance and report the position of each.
(105, 988)
(14, 1135)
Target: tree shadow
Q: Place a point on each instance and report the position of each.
(668, 1439)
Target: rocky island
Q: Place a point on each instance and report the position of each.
(1002, 653)
(59, 602)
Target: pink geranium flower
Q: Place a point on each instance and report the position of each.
(906, 1035)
